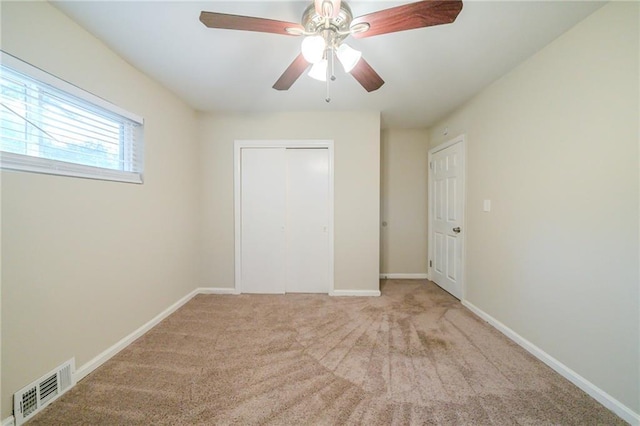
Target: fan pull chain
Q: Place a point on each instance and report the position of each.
(330, 74)
(327, 99)
(333, 62)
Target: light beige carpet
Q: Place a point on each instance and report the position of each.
(414, 355)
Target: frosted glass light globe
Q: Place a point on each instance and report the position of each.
(348, 56)
(313, 48)
(319, 70)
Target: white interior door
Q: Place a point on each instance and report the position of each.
(447, 209)
(307, 221)
(263, 216)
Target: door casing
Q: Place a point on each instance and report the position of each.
(237, 181)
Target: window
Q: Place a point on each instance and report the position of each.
(50, 126)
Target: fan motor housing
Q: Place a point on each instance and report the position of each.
(316, 23)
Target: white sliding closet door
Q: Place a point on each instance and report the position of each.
(284, 220)
(307, 221)
(263, 220)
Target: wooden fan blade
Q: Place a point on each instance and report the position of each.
(246, 23)
(421, 14)
(292, 73)
(367, 76)
(335, 7)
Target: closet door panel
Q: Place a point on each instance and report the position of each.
(307, 219)
(263, 200)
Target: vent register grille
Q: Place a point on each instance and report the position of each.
(34, 397)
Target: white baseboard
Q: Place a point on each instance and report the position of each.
(366, 293)
(217, 290)
(595, 392)
(103, 357)
(384, 276)
(9, 421)
(96, 362)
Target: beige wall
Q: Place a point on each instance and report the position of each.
(554, 145)
(403, 191)
(356, 137)
(85, 262)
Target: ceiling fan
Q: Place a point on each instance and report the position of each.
(327, 23)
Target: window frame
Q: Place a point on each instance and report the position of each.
(27, 163)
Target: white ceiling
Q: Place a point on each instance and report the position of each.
(428, 72)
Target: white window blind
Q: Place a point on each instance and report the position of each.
(50, 126)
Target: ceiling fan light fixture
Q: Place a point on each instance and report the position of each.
(325, 24)
(313, 48)
(319, 70)
(348, 56)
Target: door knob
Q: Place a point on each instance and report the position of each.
(456, 229)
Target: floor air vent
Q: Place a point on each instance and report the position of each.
(33, 398)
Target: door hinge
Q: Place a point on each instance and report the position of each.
(430, 264)
(431, 165)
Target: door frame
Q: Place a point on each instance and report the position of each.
(238, 146)
(460, 139)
